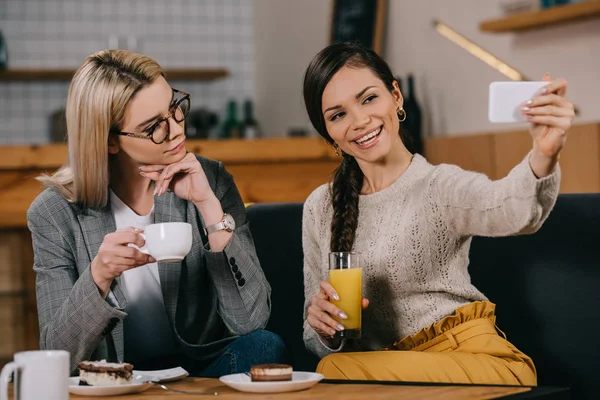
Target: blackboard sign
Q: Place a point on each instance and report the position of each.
(359, 21)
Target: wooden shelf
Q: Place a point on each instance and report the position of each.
(29, 75)
(550, 16)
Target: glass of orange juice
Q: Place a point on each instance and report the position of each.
(345, 275)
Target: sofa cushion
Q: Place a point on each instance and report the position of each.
(547, 290)
(277, 233)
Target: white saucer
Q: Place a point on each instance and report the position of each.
(161, 375)
(130, 388)
(300, 381)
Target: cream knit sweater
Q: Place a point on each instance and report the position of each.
(414, 239)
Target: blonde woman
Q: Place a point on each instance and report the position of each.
(100, 298)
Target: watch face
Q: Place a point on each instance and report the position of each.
(229, 222)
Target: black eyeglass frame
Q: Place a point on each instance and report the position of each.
(150, 130)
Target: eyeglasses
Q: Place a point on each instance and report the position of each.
(159, 131)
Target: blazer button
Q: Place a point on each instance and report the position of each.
(242, 282)
(238, 275)
(232, 261)
(234, 268)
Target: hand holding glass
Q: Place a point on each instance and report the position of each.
(345, 275)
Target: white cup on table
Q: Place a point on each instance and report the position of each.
(40, 374)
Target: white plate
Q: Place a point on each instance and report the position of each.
(161, 375)
(137, 387)
(300, 381)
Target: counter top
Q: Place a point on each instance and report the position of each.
(296, 165)
(52, 156)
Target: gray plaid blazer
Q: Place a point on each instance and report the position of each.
(209, 297)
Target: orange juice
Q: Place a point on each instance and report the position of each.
(348, 285)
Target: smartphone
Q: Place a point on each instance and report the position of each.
(507, 99)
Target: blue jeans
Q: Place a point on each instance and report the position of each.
(258, 347)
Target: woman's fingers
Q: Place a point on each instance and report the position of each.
(186, 165)
(550, 99)
(124, 236)
(322, 320)
(152, 168)
(558, 86)
(365, 303)
(319, 327)
(549, 110)
(154, 176)
(329, 290)
(561, 123)
(328, 307)
(325, 319)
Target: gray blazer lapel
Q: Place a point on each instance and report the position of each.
(169, 208)
(95, 224)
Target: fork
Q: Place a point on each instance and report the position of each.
(183, 391)
(145, 379)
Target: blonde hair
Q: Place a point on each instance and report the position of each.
(98, 97)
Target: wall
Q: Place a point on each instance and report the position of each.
(268, 44)
(451, 83)
(177, 33)
(287, 33)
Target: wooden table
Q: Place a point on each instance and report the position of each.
(323, 391)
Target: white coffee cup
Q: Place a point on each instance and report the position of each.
(40, 374)
(167, 241)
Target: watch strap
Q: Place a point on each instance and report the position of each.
(219, 226)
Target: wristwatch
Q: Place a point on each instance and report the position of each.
(226, 224)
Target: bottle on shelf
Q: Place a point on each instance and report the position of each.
(250, 127)
(3, 52)
(231, 125)
(554, 3)
(412, 125)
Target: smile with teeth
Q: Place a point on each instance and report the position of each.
(369, 137)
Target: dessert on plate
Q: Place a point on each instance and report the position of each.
(102, 373)
(271, 372)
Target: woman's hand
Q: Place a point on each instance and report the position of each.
(321, 310)
(115, 256)
(550, 115)
(186, 178)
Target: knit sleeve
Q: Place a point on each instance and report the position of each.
(474, 205)
(314, 270)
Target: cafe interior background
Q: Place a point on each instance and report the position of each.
(250, 55)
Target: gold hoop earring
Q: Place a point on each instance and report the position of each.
(401, 114)
(337, 149)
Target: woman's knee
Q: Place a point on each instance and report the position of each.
(332, 366)
(265, 344)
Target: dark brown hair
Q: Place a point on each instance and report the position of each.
(348, 177)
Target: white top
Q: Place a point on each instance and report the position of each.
(147, 329)
(414, 239)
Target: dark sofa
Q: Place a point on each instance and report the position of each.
(546, 287)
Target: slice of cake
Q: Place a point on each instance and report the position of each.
(102, 373)
(271, 372)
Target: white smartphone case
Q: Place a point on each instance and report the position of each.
(507, 99)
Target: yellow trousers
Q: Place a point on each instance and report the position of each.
(462, 348)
